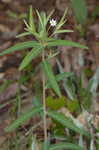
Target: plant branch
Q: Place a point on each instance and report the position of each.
(44, 102)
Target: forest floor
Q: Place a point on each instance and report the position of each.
(12, 13)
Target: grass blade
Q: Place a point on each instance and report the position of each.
(26, 116)
(65, 146)
(80, 10)
(67, 86)
(60, 76)
(94, 82)
(67, 122)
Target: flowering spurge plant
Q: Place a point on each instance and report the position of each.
(41, 46)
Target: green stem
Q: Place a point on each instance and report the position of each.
(44, 102)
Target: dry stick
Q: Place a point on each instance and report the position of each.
(44, 103)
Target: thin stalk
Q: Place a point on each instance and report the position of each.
(44, 102)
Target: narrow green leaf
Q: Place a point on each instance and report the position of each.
(26, 24)
(44, 19)
(23, 34)
(81, 141)
(33, 144)
(67, 122)
(60, 76)
(50, 15)
(52, 55)
(20, 46)
(63, 75)
(65, 146)
(30, 56)
(92, 144)
(94, 82)
(51, 78)
(60, 25)
(68, 87)
(49, 39)
(62, 21)
(66, 43)
(45, 145)
(80, 10)
(26, 116)
(40, 19)
(64, 15)
(63, 31)
(31, 20)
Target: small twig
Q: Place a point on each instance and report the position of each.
(33, 128)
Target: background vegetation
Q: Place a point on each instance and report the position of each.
(49, 75)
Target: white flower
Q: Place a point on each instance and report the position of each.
(53, 22)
